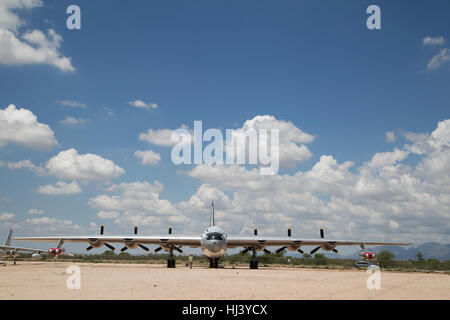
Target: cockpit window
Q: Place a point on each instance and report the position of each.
(214, 236)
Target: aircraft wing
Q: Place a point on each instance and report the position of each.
(191, 241)
(288, 241)
(6, 248)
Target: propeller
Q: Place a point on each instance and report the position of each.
(176, 248)
(140, 245)
(102, 229)
(322, 235)
(289, 233)
(255, 232)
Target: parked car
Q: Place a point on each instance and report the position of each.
(362, 264)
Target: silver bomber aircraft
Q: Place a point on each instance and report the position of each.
(213, 241)
(13, 251)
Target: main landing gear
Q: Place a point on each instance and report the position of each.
(254, 261)
(171, 260)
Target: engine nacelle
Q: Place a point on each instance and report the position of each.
(55, 251)
(36, 256)
(131, 244)
(96, 243)
(328, 246)
(368, 255)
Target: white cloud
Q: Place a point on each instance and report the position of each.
(439, 59)
(8, 18)
(5, 216)
(368, 202)
(141, 104)
(35, 212)
(72, 120)
(71, 103)
(89, 167)
(161, 137)
(291, 138)
(24, 164)
(46, 225)
(432, 41)
(148, 157)
(137, 203)
(21, 126)
(391, 137)
(108, 215)
(382, 159)
(60, 188)
(33, 47)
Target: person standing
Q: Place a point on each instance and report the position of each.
(190, 259)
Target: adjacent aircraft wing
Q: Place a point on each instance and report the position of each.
(17, 249)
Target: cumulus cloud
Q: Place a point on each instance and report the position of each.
(35, 212)
(24, 164)
(72, 120)
(21, 126)
(292, 139)
(162, 137)
(382, 159)
(137, 203)
(71, 103)
(5, 216)
(433, 41)
(148, 157)
(60, 188)
(439, 59)
(50, 225)
(141, 104)
(88, 167)
(32, 47)
(367, 202)
(391, 137)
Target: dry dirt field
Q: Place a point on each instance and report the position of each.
(47, 280)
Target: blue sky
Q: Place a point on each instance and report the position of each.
(312, 64)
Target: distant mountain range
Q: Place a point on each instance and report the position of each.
(429, 250)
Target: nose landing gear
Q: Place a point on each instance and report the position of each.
(214, 263)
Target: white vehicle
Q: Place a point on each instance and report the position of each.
(213, 241)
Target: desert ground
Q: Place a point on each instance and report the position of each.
(47, 280)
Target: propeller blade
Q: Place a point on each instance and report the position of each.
(102, 229)
(135, 229)
(123, 249)
(245, 250)
(255, 232)
(170, 230)
(109, 246)
(289, 232)
(321, 233)
(178, 249)
(314, 250)
(301, 251)
(89, 248)
(267, 251)
(335, 250)
(158, 249)
(144, 247)
(280, 249)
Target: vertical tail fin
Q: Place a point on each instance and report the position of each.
(8, 240)
(211, 219)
